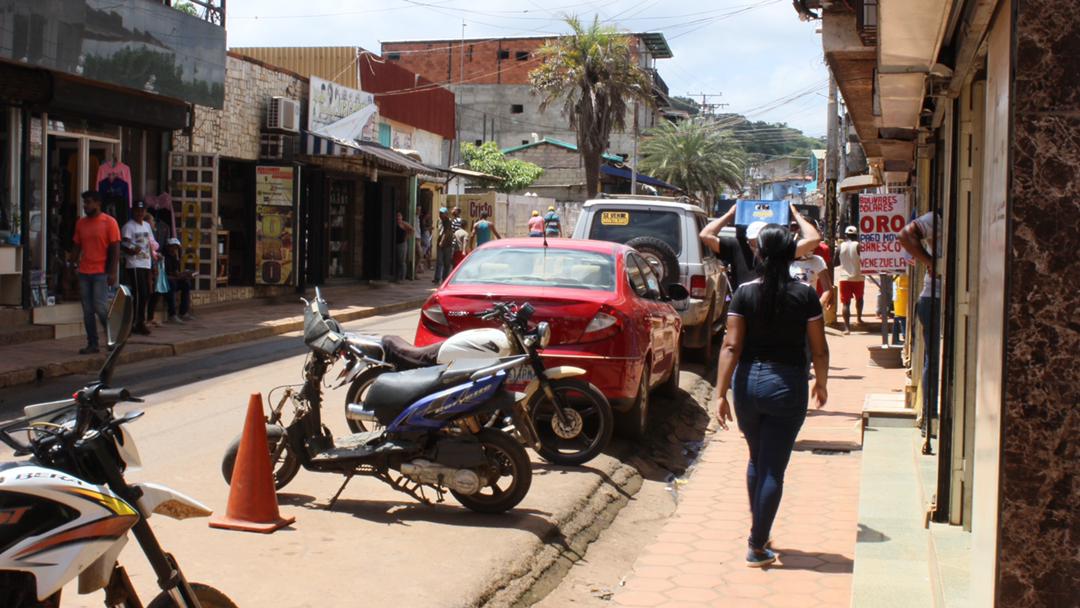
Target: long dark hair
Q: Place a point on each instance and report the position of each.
(776, 248)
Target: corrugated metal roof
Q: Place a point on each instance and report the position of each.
(407, 97)
(333, 63)
(562, 144)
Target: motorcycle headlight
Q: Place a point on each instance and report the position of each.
(543, 331)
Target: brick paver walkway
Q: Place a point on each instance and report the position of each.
(698, 558)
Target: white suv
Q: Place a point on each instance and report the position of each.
(665, 231)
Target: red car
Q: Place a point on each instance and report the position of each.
(607, 311)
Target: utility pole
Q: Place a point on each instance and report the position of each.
(707, 108)
(831, 160)
(456, 152)
(633, 159)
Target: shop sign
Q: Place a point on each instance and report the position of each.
(881, 218)
(274, 225)
(341, 112)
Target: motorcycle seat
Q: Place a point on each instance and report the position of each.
(391, 393)
(404, 356)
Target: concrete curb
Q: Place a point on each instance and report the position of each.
(137, 351)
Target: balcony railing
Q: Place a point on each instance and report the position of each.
(866, 17)
(212, 11)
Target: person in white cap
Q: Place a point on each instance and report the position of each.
(852, 282)
(740, 252)
(179, 282)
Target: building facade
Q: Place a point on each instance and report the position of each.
(90, 94)
(969, 108)
(490, 78)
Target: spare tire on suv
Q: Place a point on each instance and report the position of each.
(660, 255)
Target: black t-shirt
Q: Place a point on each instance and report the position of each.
(735, 251)
(781, 339)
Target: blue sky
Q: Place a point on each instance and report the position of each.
(756, 53)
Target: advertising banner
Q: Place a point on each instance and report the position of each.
(275, 218)
(341, 113)
(881, 218)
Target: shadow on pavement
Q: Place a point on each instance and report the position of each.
(449, 513)
(794, 559)
(546, 467)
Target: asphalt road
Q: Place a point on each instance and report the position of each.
(377, 547)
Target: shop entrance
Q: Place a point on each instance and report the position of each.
(74, 164)
(236, 231)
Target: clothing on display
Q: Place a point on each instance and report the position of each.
(114, 183)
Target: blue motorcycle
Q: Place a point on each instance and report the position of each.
(431, 435)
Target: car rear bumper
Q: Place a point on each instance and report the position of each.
(695, 313)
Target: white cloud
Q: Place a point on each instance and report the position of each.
(752, 58)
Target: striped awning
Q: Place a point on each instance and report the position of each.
(320, 145)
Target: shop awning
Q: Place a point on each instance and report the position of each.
(641, 177)
(859, 182)
(477, 175)
(319, 145)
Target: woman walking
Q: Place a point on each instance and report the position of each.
(763, 361)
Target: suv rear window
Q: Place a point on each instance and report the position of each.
(622, 225)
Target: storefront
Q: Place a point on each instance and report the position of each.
(89, 96)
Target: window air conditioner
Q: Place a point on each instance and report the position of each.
(283, 115)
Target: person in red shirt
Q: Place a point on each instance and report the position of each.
(97, 249)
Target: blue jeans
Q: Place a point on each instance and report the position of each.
(444, 262)
(924, 309)
(899, 329)
(183, 287)
(94, 291)
(770, 404)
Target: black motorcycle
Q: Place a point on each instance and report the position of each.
(430, 434)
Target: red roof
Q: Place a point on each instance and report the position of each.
(407, 97)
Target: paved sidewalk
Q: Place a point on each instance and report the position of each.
(25, 363)
(698, 557)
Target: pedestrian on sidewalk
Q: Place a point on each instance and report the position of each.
(552, 223)
(97, 252)
(444, 247)
(461, 245)
(138, 244)
(425, 240)
(922, 239)
(852, 281)
(483, 231)
(179, 284)
(536, 224)
(738, 251)
(763, 361)
(402, 230)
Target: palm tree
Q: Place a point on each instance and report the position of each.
(695, 155)
(596, 76)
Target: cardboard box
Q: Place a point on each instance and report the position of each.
(770, 212)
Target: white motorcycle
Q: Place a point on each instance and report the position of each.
(67, 511)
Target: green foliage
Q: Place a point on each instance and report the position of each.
(695, 155)
(186, 7)
(487, 158)
(686, 104)
(770, 139)
(593, 73)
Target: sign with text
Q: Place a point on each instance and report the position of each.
(881, 218)
(274, 225)
(342, 113)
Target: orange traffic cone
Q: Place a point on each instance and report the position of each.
(252, 500)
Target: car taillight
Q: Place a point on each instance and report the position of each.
(435, 320)
(601, 326)
(698, 286)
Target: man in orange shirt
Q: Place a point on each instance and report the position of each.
(97, 249)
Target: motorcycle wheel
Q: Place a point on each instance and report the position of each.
(357, 393)
(208, 598)
(282, 460)
(591, 422)
(506, 459)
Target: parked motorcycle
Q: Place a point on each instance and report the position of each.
(67, 511)
(566, 419)
(431, 436)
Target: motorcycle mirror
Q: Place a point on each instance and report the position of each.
(677, 292)
(120, 318)
(118, 325)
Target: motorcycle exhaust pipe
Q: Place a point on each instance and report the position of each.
(355, 411)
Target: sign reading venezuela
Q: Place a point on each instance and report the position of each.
(881, 218)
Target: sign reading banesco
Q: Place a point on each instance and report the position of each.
(881, 218)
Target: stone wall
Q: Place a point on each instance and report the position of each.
(1040, 421)
(234, 131)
